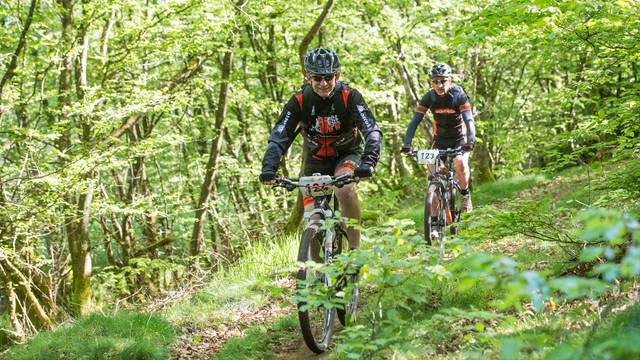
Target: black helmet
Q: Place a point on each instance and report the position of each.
(322, 61)
(440, 70)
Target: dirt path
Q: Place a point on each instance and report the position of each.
(299, 351)
(201, 344)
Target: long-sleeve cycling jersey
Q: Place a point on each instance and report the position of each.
(453, 120)
(329, 131)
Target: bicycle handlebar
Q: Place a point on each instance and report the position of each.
(293, 183)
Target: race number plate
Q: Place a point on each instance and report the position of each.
(427, 157)
(315, 185)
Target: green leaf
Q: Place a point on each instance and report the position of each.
(591, 253)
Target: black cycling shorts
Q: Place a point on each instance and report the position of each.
(448, 143)
(330, 165)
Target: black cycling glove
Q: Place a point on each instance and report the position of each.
(363, 171)
(468, 147)
(267, 177)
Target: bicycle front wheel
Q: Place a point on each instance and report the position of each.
(455, 206)
(316, 321)
(434, 215)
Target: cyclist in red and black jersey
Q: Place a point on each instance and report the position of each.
(453, 124)
(333, 119)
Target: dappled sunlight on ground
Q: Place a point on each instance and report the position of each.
(204, 343)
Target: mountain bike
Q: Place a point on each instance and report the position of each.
(323, 238)
(442, 203)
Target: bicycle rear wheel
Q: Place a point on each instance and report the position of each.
(316, 322)
(347, 285)
(434, 205)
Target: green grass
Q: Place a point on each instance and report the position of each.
(5, 339)
(247, 285)
(545, 336)
(482, 195)
(125, 335)
(489, 193)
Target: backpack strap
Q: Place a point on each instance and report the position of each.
(299, 98)
(341, 100)
(342, 106)
(345, 96)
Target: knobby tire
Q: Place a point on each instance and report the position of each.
(309, 319)
(454, 206)
(434, 193)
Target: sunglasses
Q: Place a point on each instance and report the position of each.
(439, 81)
(319, 78)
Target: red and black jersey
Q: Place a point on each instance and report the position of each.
(330, 126)
(452, 116)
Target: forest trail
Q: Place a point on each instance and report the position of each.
(206, 343)
(294, 347)
(200, 344)
(299, 350)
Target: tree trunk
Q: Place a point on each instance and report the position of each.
(32, 310)
(483, 164)
(78, 236)
(304, 44)
(11, 68)
(77, 223)
(8, 285)
(298, 208)
(207, 185)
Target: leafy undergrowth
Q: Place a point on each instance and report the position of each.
(541, 269)
(503, 295)
(125, 335)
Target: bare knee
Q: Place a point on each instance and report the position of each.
(461, 165)
(346, 193)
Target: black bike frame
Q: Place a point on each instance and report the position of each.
(446, 182)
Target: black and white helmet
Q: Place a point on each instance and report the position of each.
(440, 70)
(322, 61)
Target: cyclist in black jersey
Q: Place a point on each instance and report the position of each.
(333, 119)
(453, 124)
